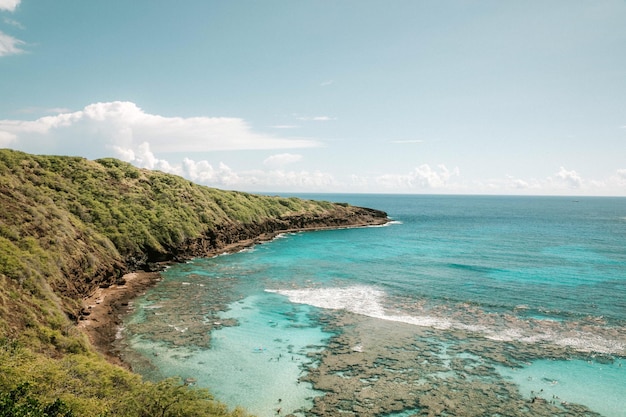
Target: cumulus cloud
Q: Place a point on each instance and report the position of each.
(6, 139)
(10, 45)
(9, 5)
(562, 182)
(617, 181)
(203, 172)
(122, 127)
(280, 160)
(422, 177)
(425, 178)
(569, 178)
(520, 184)
(223, 176)
(144, 157)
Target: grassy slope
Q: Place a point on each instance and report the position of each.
(68, 225)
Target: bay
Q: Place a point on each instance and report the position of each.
(489, 288)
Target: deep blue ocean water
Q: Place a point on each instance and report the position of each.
(530, 269)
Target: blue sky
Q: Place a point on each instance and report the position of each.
(432, 96)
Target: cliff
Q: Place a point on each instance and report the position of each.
(70, 225)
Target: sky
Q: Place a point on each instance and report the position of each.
(361, 96)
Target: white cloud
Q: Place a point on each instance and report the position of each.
(280, 160)
(422, 177)
(125, 154)
(520, 184)
(14, 23)
(316, 118)
(101, 128)
(326, 83)
(284, 126)
(6, 139)
(359, 183)
(569, 178)
(145, 158)
(256, 180)
(10, 45)
(616, 183)
(223, 176)
(296, 180)
(9, 5)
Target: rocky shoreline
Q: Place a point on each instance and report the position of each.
(104, 309)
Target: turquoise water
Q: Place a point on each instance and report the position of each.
(598, 385)
(540, 271)
(256, 364)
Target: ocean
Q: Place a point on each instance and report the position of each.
(462, 305)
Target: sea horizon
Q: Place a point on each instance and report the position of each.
(421, 194)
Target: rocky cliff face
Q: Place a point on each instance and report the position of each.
(222, 236)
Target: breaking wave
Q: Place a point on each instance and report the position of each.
(373, 302)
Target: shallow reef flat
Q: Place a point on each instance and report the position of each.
(375, 367)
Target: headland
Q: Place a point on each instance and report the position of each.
(77, 233)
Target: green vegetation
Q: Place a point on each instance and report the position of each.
(69, 225)
(84, 385)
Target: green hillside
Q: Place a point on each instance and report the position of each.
(69, 225)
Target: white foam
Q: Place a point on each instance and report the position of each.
(368, 301)
(358, 299)
(283, 236)
(389, 223)
(249, 249)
